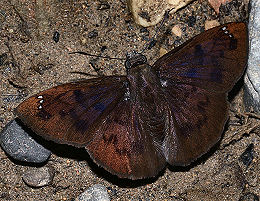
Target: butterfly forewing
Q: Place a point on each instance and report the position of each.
(213, 60)
(69, 113)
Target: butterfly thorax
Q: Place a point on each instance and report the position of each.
(147, 96)
(139, 72)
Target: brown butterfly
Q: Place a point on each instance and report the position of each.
(171, 112)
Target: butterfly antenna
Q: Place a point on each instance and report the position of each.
(93, 55)
(150, 43)
(85, 74)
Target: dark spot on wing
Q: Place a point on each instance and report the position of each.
(100, 107)
(199, 53)
(216, 75)
(59, 97)
(43, 114)
(191, 73)
(221, 53)
(233, 44)
(110, 138)
(201, 122)
(81, 125)
(62, 113)
(78, 95)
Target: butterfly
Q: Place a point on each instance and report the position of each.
(169, 113)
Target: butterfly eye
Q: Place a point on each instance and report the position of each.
(134, 59)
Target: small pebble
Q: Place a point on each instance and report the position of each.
(103, 48)
(210, 24)
(103, 6)
(112, 191)
(176, 30)
(162, 51)
(93, 34)
(17, 143)
(96, 192)
(3, 57)
(248, 155)
(191, 21)
(152, 44)
(56, 36)
(39, 177)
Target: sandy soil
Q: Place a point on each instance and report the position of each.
(35, 62)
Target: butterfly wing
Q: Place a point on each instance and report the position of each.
(198, 119)
(214, 60)
(96, 115)
(67, 112)
(196, 78)
(124, 147)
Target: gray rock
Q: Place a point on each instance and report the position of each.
(252, 76)
(20, 146)
(96, 192)
(39, 177)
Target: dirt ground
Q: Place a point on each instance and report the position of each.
(36, 62)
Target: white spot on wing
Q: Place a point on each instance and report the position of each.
(127, 95)
(41, 101)
(227, 32)
(163, 83)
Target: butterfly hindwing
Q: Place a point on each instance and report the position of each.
(123, 147)
(198, 121)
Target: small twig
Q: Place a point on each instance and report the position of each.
(86, 74)
(250, 114)
(93, 55)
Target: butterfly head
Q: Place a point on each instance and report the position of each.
(134, 59)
